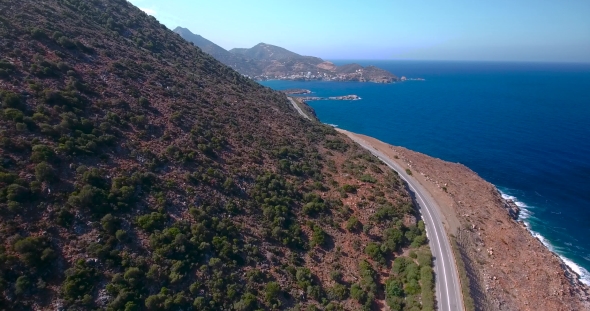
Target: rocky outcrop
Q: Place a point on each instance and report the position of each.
(512, 209)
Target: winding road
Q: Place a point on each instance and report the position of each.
(298, 108)
(448, 288)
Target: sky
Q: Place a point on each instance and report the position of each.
(464, 30)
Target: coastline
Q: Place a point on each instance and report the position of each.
(565, 288)
(582, 274)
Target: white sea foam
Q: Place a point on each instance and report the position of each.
(525, 213)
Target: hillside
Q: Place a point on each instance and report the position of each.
(274, 62)
(139, 173)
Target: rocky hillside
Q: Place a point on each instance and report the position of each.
(266, 61)
(139, 173)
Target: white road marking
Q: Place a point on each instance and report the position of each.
(385, 160)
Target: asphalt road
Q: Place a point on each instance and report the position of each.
(448, 288)
(298, 109)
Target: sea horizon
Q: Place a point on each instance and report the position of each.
(523, 122)
(368, 60)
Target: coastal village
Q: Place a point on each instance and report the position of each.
(324, 76)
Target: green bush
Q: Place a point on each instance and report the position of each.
(42, 153)
(392, 239)
(38, 33)
(394, 288)
(411, 233)
(34, 251)
(121, 235)
(151, 221)
(332, 306)
(66, 42)
(368, 280)
(336, 144)
(247, 303)
(315, 292)
(373, 250)
(272, 290)
(357, 293)
(368, 178)
(399, 265)
(10, 99)
(110, 223)
(418, 241)
(13, 115)
(426, 279)
(22, 285)
(144, 102)
(304, 277)
(337, 292)
(349, 188)
(133, 276)
(412, 287)
(313, 208)
(17, 193)
(425, 258)
(90, 197)
(336, 276)
(45, 172)
(353, 224)
(318, 237)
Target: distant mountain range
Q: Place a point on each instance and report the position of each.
(266, 61)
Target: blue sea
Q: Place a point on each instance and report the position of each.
(524, 127)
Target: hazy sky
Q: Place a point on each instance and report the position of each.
(515, 30)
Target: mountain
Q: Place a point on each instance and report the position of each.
(139, 173)
(205, 45)
(241, 64)
(268, 61)
(267, 52)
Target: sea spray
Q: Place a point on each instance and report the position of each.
(525, 215)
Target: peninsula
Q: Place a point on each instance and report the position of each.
(270, 62)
